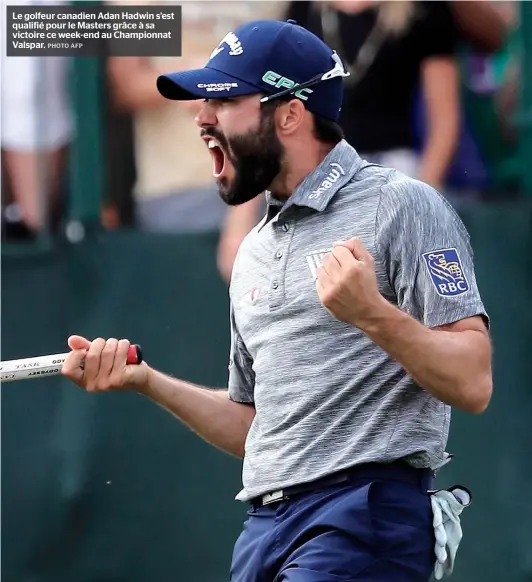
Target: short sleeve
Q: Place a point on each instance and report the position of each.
(436, 30)
(429, 260)
(241, 375)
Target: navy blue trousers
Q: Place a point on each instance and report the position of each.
(365, 530)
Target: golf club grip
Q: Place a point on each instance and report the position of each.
(134, 355)
(51, 365)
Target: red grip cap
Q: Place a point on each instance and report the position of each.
(134, 354)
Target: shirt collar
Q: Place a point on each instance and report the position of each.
(319, 186)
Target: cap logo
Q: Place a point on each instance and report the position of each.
(217, 86)
(278, 81)
(232, 41)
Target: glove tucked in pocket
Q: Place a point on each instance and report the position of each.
(447, 505)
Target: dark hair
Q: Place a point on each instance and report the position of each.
(325, 130)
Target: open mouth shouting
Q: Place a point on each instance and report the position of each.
(221, 160)
(218, 157)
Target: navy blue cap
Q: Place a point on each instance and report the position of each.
(270, 57)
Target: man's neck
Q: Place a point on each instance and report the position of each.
(298, 167)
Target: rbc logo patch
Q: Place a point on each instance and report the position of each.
(446, 272)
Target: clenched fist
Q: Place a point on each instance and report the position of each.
(347, 284)
(101, 366)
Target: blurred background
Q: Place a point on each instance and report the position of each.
(111, 226)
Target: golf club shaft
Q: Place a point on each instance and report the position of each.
(50, 365)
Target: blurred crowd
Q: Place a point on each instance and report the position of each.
(433, 92)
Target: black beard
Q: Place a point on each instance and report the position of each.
(256, 157)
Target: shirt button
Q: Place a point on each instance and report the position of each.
(275, 284)
(285, 227)
(278, 254)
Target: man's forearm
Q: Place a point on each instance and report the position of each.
(435, 160)
(209, 413)
(440, 82)
(439, 148)
(447, 364)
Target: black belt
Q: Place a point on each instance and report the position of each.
(397, 471)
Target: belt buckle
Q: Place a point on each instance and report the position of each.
(272, 497)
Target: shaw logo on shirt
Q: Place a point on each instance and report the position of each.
(446, 272)
(329, 181)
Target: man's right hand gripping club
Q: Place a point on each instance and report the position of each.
(208, 412)
(101, 365)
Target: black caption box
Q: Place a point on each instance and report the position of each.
(92, 31)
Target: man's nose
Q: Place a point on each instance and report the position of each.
(206, 115)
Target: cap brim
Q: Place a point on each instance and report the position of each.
(203, 83)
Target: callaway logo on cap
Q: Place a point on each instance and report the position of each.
(272, 57)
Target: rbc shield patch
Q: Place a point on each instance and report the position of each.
(446, 272)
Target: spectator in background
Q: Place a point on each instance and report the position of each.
(390, 48)
(175, 190)
(490, 101)
(37, 129)
(482, 33)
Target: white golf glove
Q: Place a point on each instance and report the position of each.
(447, 505)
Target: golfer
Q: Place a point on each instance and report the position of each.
(356, 325)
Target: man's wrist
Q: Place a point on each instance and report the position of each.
(379, 318)
(146, 387)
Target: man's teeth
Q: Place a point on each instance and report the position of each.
(213, 144)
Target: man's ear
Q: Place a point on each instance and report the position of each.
(290, 116)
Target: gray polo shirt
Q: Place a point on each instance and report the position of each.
(326, 396)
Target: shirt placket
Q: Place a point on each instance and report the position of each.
(283, 233)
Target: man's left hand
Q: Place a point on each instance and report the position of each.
(347, 284)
